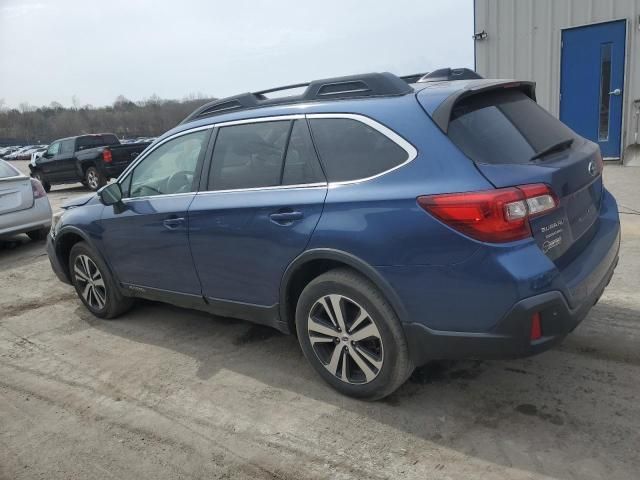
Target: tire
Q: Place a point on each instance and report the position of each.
(94, 179)
(46, 185)
(102, 297)
(39, 234)
(384, 354)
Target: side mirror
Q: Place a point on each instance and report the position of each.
(111, 194)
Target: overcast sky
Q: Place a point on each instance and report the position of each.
(51, 50)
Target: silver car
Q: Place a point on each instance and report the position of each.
(24, 206)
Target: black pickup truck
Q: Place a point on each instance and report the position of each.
(90, 159)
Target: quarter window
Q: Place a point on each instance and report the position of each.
(351, 150)
(249, 156)
(168, 169)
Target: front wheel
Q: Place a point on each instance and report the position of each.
(351, 335)
(94, 284)
(94, 179)
(46, 185)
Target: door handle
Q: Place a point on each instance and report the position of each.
(286, 217)
(616, 92)
(173, 223)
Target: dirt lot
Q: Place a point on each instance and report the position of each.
(170, 393)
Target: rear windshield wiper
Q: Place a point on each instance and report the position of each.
(556, 147)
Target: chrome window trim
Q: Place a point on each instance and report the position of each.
(273, 118)
(159, 196)
(273, 187)
(141, 157)
(412, 152)
(144, 155)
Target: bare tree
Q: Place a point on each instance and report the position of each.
(127, 119)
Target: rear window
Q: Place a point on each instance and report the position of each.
(96, 141)
(7, 170)
(352, 150)
(504, 127)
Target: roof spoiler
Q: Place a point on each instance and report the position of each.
(448, 74)
(442, 115)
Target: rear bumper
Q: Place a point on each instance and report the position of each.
(482, 308)
(38, 216)
(510, 338)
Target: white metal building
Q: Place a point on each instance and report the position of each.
(584, 56)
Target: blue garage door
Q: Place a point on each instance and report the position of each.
(592, 76)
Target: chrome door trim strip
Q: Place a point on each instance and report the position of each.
(274, 187)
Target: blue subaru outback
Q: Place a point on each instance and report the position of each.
(385, 221)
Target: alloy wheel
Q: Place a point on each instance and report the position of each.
(90, 282)
(92, 179)
(345, 339)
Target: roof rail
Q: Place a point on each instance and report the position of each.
(447, 74)
(353, 86)
(414, 77)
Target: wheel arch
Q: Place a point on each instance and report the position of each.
(312, 263)
(66, 238)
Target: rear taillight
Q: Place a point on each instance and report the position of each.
(38, 189)
(106, 156)
(500, 215)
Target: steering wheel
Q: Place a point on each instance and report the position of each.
(179, 180)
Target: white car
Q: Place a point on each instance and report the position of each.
(24, 205)
(16, 155)
(37, 154)
(26, 153)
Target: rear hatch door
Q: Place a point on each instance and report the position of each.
(513, 141)
(15, 190)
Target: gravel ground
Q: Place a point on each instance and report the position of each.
(170, 393)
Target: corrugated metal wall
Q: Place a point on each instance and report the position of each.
(524, 42)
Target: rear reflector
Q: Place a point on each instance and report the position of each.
(38, 189)
(500, 215)
(536, 328)
(106, 156)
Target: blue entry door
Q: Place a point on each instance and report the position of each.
(592, 77)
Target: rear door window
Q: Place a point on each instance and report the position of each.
(249, 155)
(352, 150)
(66, 146)
(504, 126)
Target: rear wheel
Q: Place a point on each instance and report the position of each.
(46, 185)
(351, 335)
(94, 284)
(39, 234)
(94, 179)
